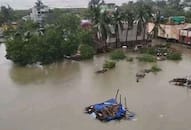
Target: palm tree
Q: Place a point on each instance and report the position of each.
(128, 18)
(143, 16)
(103, 27)
(95, 11)
(117, 23)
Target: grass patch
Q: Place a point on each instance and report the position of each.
(147, 58)
(86, 51)
(130, 59)
(117, 55)
(109, 64)
(174, 56)
(155, 68)
(150, 51)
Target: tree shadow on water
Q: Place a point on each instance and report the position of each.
(42, 74)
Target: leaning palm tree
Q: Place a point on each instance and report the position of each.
(117, 18)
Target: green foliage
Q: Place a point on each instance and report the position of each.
(117, 55)
(155, 69)
(109, 64)
(147, 58)
(130, 59)
(6, 13)
(30, 46)
(86, 51)
(150, 51)
(87, 38)
(174, 56)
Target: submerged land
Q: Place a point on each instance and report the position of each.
(55, 62)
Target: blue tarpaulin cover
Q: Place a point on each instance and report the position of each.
(119, 114)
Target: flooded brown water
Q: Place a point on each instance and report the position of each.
(53, 97)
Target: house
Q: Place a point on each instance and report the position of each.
(171, 29)
(177, 32)
(86, 24)
(185, 35)
(39, 12)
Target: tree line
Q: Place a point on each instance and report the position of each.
(64, 36)
(140, 12)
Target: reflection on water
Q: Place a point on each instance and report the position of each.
(53, 97)
(39, 75)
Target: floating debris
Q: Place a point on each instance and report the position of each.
(102, 71)
(185, 82)
(110, 110)
(140, 75)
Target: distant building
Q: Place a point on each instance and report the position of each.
(39, 12)
(178, 32)
(86, 24)
(109, 7)
(185, 35)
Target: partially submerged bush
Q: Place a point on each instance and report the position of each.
(147, 58)
(86, 51)
(151, 51)
(130, 59)
(155, 68)
(174, 56)
(109, 64)
(117, 55)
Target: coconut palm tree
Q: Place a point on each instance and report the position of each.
(103, 27)
(128, 17)
(144, 14)
(117, 18)
(95, 12)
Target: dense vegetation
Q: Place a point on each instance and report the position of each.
(155, 69)
(117, 55)
(63, 36)
(147, 58)
(174, 56)
(109, 64)
(63, 39)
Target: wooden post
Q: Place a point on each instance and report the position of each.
(120, 99)
(125, 103)
(116, 94)
(187, 39)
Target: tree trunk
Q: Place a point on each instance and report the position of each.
(127, 35)
(118, 37)
(144, 31)
(116, 40)
(136, 35)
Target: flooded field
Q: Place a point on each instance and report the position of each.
(53, 97)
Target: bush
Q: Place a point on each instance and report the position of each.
(151, 51)
(174, 56)
(86, 51)
(130, 59)
(109, 64)
(117, 55)
(155, 68)
(147, 58)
